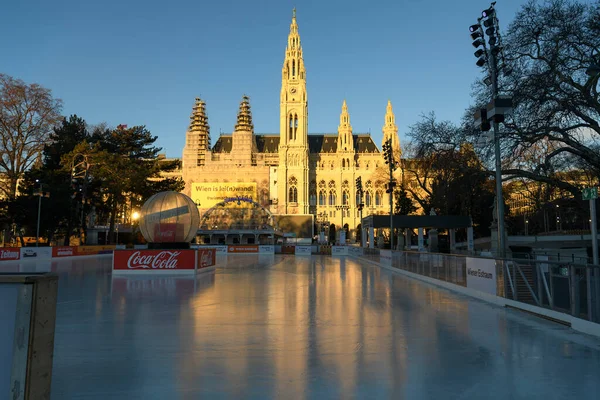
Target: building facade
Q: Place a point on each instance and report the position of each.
(292, 172)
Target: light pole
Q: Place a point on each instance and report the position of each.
(388, 153)
(40, 193)
(496, 109)
(360, 205)
(80, 171)
(592, 195)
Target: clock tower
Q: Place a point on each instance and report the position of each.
(292, 175)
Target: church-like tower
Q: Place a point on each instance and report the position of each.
(390, 131)
(292, 176)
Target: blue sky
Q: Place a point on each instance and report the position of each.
(143, 62)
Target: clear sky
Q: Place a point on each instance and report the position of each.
(143, 62)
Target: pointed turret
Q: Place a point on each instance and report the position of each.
(199, 124)
(390, 130)
(244, 117)
(345, 142)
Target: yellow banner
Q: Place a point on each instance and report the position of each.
(208, 194)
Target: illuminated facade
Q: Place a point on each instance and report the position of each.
(294, 172)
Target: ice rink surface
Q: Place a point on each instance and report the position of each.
(285, 327)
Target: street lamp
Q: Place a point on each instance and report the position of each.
(80, 170)
(40, 193)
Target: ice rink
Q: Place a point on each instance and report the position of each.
(286, 327)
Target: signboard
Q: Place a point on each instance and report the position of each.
(154, 260)
(209, 194)
(303, 250)
(64, 251)
(206, 258)
(339, 250)
(385, 257)
(481, 275)
(266, 249)
(36, 253)
(590, 193)
(239, 248)
(9, 253)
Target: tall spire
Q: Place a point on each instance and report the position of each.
(345, 141)
(390, 130)
(244, 117)
(199, 124)
(293, 65)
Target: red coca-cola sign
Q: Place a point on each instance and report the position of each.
(10, 253)
(206, 258)
(145, 260)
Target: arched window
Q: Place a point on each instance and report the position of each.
(345, 197)
(291, 125)
(331, 198)
(322, 196)
(368, 198)
(378, 198)
(343, 163)
(293, 190)
(293, 68)
(293, 195)
(357, 198)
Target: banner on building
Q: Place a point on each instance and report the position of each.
(209, 194)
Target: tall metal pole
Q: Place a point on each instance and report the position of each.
(499, 196)
(594, 232)
(37, 235)
(391, 201)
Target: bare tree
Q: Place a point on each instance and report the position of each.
(28, 112)
(549, 47)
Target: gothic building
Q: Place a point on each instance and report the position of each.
(292, 172)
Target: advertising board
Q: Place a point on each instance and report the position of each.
(242, 248)
(36, 253)
(385, 257)
(209, 194)
(303, 250)
(206, 258)
(339, 250)
(481, 274)
(9, 253)
(173, 261)
(266, 249)
(64, 251)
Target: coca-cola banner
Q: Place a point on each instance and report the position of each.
(206, 258)
(148, 260)
(9, 253)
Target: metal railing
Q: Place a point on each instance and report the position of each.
(557, 285)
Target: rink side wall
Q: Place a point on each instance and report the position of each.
(575, 323)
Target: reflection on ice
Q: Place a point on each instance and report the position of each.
(285, 327)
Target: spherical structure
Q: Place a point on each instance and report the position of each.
(169, 217)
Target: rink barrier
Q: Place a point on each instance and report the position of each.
(27, 338)
(575, 323)
(185, 261)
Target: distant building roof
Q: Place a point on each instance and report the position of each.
(317, 143)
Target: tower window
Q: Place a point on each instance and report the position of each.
(293, 190)
(294, 68)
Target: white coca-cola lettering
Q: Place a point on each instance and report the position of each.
(166, 234)
(163, 260)
(9, 254)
